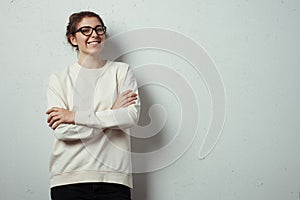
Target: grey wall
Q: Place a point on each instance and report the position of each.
(255, 46)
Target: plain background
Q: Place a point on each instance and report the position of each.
(255, 46)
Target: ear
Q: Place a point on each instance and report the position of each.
(73, 40)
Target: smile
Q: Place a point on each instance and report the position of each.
(94, 42)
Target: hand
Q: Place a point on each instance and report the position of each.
(59, 116)
(125, 99)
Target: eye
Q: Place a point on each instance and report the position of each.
(86, 30)
(100, 29)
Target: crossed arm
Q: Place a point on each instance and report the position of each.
(57, 116)
(68, 125)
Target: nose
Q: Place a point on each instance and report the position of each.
(94, 33)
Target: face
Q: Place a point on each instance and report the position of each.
(88, 45)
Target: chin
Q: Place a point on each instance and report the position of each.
(95, 51)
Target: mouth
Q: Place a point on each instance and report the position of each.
(94, 42)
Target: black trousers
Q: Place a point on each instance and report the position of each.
(91, 191)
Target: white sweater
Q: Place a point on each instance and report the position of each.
(97, 147)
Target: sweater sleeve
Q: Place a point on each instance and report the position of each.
(67, 132)
(122, 118)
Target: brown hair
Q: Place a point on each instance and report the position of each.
(75, 19)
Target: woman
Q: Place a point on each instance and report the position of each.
(92, 103)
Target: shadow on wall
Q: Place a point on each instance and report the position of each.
(113, 51)
(144, 145)
(139, 145)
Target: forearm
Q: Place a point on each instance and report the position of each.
(121, 118)
(71, 132)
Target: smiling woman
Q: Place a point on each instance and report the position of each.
(91, 104)
(77, 18)
(85, 38)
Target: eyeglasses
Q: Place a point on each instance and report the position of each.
(88, 31)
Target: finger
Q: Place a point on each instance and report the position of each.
(133, 94)
(129, 97)
(126, 92)
(49, 118)
(51, 115)
(50, 110)
(132, 101)
(129, 100)
(53, 109)
(53, 120)
(134, 97)
(125, 100)
(128, 104)
(56, 124)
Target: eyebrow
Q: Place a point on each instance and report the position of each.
(90, 26)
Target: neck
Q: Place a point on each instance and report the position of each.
(91, 61)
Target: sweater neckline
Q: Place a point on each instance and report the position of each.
(100, 69)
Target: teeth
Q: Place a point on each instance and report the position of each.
(93, 42)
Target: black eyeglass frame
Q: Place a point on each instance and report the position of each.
(93, 29)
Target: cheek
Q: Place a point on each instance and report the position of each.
(81, 41)
(103, 38)
(81, 44)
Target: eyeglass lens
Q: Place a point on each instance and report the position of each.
(87, 31)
